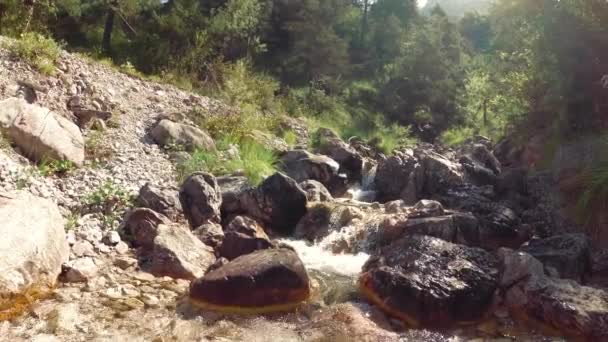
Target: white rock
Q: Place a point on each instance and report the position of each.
(80, 270)
(33, 245)
(64, 319)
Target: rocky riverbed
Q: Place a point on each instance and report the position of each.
(343, 244)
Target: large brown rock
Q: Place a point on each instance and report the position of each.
(568, 254)
(427, 281)
(167, 132)
(243, 236)
(560, 304)
(33, 245)
(162, 200)
(278, 203)
(349, 159)
(400, 177)
(264, 281)
(201, 199)
(440, 173)
(303, 166)
(140, 227)
(41, 134)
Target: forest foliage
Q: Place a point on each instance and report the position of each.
(381, 69)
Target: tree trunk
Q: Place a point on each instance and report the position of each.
(106, 44)
(30, 4)
(485, 112)
(364, 21)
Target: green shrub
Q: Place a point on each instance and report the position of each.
(457, 135)
(55, 167)
(111, 201)
(37, 50)
(290, 137)
(97, 148)
(255, 161)
(200, 160)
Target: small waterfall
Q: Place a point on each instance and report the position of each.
(335, 274)
(365, 191)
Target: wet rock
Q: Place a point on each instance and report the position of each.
(201, 199)
(211, 234)
(563, 305)
(328, 218)
(400, 177)
(80, 270)
(569, 254)
(177, 253)
(277, 203)
(264, 281)
(243, 236)
(440, 173)
(41, 134)
(332, 146)
(167, 132)
(303, 166)
(33, 245)
(232, 187)
(427, 208)
(162, 200)
(141, 227)
(315, 191)
(427, 281)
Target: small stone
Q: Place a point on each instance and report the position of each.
(80, 270)
(134, 303)
(112, 238)
(150, 300)
(121, 248)
(113, 293)
(64, 319)
(124, 262)
(83, 248)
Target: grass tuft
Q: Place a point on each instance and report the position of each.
(39, 51)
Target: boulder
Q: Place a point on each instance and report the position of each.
(278, 203)
(33, 245)
(167, 132)
(80, 270)
(315, 191)
(568, 254)
(332, 146)
(201, 199)
(303, 166)
(39, 133)
(440, 173)
(264, 281)
(162, 200)
(577, 311)
(140, 227)
(177, 253)
(243, 236)
(232, 187)
(428, 281)
(400, 177)
(211, 234)
(427, 208)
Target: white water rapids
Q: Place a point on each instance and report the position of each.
(315, 257)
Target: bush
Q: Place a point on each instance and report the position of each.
(55, 167)
(457, 135)
(111, 201)
(37, 50)
(255, 161)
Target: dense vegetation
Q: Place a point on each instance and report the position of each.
(364, 67)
